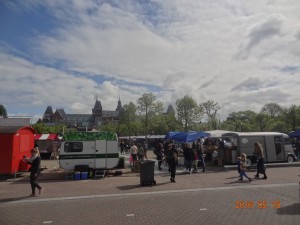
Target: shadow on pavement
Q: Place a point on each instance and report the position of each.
(4, 200)
(235, 177)
(134, 186)
(238, 182)
(289, 210)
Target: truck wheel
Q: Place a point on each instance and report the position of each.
(154, 182)
(290, 159)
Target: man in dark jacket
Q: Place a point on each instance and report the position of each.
(172, 159)
(35, 171)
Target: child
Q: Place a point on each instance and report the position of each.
(243, 167)
(131, 161)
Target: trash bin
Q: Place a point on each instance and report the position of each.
(147, 173)
(84, 175)
(76, 175)
(121, 163)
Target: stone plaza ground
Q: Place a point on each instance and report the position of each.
(213, 197)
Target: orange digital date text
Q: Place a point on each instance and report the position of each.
(260, 204)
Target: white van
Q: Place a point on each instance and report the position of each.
(277, 146)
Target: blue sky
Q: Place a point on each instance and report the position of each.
(241, 54)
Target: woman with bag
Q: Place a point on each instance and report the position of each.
(259, 152)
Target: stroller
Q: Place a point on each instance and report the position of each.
(253, 161)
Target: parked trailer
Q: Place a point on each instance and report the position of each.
(277, 146)
(97, 150)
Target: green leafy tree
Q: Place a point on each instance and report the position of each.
(163, 123)
(128, 117)
(41, 128)
(188, 112)
(272, 109)
(291, 116)
(3, 112)
(241, 121)
(112, 127)
(278, 126)
(171, 122)
(263, 121)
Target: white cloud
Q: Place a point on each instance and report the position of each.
(230, 52)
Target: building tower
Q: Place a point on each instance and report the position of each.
(119, 107)
(97, 110)
(47, 117)
(170, 110)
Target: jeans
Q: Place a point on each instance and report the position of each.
(189, 163)
(243, 173)
(201, 159)
(34, 183)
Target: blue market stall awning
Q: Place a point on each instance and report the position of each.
(189, 136)
(169, 135)
(294, 134)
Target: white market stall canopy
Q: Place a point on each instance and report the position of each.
(47, 137)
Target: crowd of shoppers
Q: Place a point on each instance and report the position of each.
(195, 155)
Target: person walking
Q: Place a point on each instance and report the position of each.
(172, 159)
(133, 153)
(159, 154)
(242, 166)
(140, 154)
(199, 149)
(189, 157)
(259, 152)
(195, 161)
(35, 171)
(145, 151)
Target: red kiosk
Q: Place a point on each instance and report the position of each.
(15, 142)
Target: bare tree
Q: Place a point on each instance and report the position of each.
(211, 109)
(147, 106)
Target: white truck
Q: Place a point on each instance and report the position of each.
(277, 146)
(97, 150)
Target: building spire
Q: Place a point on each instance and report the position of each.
(119, 106)
(96, 97)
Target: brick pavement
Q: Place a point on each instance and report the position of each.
(209, 197)
(216, 206)
(56, 186)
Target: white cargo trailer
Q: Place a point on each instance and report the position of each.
(87, 149)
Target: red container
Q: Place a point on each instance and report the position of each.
(15, 142)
